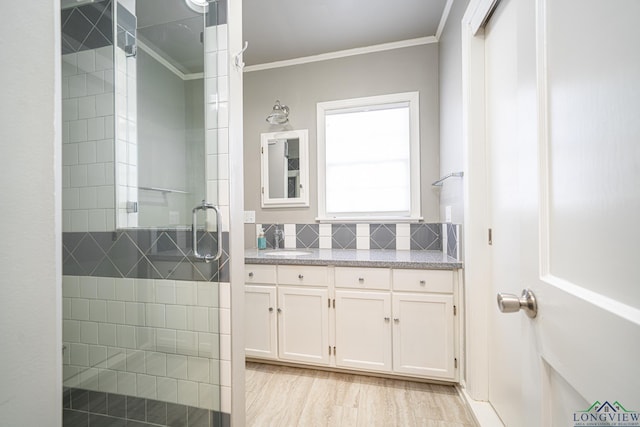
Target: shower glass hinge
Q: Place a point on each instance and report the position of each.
(131, 50)
(132, 207)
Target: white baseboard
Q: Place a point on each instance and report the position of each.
(483, 412)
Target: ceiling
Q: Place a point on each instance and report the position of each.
(287, 29)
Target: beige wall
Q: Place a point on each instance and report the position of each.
(450, 63)
(301, 87)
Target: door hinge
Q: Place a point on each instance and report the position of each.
(329, 302)
(329, 350)
(455, 363)
(334, 350)
(455, 310)
(262, 150)
(262, 189)
(490, 237)
(334, 303)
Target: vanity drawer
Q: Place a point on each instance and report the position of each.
(363, 278)
(423, 281)
(256, 273)
(302, 275)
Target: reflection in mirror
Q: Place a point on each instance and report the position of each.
(285, 169)
(160, 144)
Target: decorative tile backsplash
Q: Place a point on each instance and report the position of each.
(366, 236)
(453, 236)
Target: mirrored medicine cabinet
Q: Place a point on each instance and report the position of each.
(285, 169)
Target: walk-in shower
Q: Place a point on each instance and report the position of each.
(145, 320)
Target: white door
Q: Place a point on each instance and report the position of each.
(260, 338)
(423, 335)
(363, 330)
(303, 325)
(563, 134)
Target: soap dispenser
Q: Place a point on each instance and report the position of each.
(262, 241)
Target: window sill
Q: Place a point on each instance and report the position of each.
(370, 220)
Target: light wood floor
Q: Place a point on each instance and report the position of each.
(291, 397)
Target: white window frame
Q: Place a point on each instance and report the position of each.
(413, 99)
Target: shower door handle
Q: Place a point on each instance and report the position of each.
(194, 229)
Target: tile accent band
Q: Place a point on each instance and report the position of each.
(85, 408)
(143, 254)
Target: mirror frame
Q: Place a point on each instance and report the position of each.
(271, 202)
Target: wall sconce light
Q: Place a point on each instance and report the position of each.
(279, 115)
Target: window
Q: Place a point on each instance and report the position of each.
(369, 158)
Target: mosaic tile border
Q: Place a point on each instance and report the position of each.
(86, 408)
(365, 236)
(143, 254)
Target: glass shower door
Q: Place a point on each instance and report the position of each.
(141, 119)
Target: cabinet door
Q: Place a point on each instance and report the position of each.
(303, 325)
(260, 322)
(423, 341)
(363, 330)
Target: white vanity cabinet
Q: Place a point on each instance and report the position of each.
(260, 321)
(287, 313)
(260, 311)
(424, 319)
(363, 318)
(385, 320)
(363, 330)
(303, 324)
(423, 338)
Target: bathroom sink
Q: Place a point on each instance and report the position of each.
(286, 253)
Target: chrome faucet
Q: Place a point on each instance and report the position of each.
(279, 237)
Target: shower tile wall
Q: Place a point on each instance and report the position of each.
(159, 332)
(87, 27)
(217, 166)
(88, 118)
(154, 339)
(87, 136)
(217, 120)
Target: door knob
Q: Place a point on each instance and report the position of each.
(510, 303)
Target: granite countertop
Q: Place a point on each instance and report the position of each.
(433, 260)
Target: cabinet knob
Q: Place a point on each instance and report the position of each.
(423, 282)
(279, 310)
(300, 276)
(270, 309)
(395, 319)
(360, 279)
(251, 274)
(386, 319)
